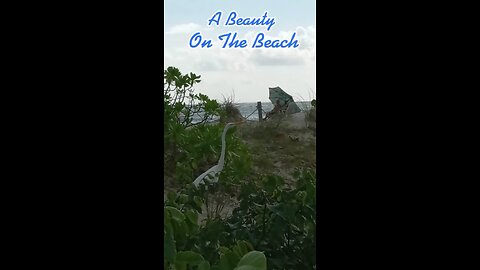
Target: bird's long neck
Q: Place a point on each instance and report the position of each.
(222, 155)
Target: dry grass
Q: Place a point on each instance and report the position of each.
(232, 113)
(274, 149)
(278, 150)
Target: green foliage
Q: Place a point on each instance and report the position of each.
(254, 260)
(191, 148)
(273, 226)
(279, 221)
(271, 218)
(181, 104)
(184, 242)
(180, 101)
(199, 149)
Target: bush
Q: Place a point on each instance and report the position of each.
(279, 221)
(181, 231)
(189, 146)
(201, 147)
(180, 102)
(271, 218)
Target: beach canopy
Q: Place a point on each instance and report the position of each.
(285, 100)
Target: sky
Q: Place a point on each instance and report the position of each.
(245, 73)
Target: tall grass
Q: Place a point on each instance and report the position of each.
(231, 112)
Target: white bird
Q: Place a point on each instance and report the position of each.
(215, 170)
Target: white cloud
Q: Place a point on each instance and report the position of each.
(306, 37)
(280, 57)
(303, 54)
(248, 71)
(246, 59)
(185, 28)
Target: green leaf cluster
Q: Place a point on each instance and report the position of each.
(191, 148)
(272, 218)
(278, 220)
(181, 234)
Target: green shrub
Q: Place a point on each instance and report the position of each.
(279, 221)
(271, 218)
(191, 148)
(184, 243)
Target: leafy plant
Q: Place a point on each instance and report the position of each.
(199, 149)
(184, 242)
(279, 221)
(188, 145)
(271, 218)
(181, 103)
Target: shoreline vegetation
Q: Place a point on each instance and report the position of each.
(263, 206)
(248, 110)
